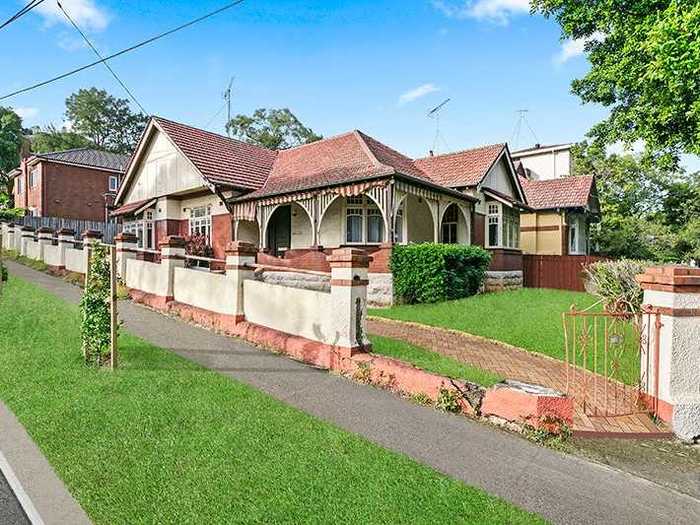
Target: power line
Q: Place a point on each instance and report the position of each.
(31, 5)
(218, 112)
(123, 51)
(109, 68)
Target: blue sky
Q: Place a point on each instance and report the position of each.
(375, 65)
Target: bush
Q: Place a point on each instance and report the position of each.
(11, 214)
(615, 284)
(428, 273)
(95, 308)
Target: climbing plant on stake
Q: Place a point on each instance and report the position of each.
(95, 308)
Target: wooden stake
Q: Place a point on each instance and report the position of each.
(85, 285)
(113, 305)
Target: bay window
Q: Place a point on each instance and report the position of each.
(364, 223)
(503, 226)
(143, 229)
(200, 222)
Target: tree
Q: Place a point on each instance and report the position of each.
(271, 128)
(52, 139)
(645, 58)
(10, 145)
(648, 212)
(105, 120)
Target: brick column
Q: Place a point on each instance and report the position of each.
(66, 238)
(126, 244)
(172, 255)
(674, 291)
(27, 236)
(45, 237)
(240, 258)
(349, 268)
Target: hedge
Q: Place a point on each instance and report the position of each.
(11, 214)
(429, 272)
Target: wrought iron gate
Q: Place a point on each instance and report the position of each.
(612, 359)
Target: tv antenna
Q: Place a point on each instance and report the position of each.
(435, 115)
(227, 101)
(517, 130)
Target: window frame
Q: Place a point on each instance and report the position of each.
(198, 223)
(507, 221)
(143, 227)
(116, 183)
(577, 227)
(32, 177)
(450, 223)
(362, 204)
(19, 185)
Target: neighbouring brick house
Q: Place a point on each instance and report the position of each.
(297, 205)
(72, 184)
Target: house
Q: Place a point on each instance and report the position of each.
(562, 213)
(298, 204)
(72, 184)
(562, 206)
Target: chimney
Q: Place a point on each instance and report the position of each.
(538, 145)
(432, 154)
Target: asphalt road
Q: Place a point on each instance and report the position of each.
(562, 488)
(11, 512)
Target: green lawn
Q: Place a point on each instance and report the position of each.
(432, 361)
(529, 318)
(164, 440)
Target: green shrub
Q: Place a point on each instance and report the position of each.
(429, 272)
(95, 308)
(11, 214)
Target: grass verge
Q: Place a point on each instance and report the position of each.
(164, 440)
(432, 361)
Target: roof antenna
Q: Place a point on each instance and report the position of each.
(521, 119)
(227, 100)
(435, 114)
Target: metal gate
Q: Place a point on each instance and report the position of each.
(612, 359)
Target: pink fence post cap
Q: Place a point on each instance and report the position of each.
(344, 257)
(92, 234)
(172, 241)
(125, 237)
(45, 229)
(66, 231)
(240, 248)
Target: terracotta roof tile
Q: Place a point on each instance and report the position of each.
(567, 192)
(463, 168)
(221, 160)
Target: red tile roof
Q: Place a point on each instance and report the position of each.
(463, 168)
(345, 158)
(221, 160)
(131, 207)
(567, 192)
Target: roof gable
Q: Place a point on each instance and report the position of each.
(462, 168)
(566, 192)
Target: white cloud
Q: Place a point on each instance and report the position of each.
(576, 47)
(27, 113)
(416, 93)
(498, 11)
(85, 13)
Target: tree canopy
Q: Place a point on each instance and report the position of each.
(645, 58)
(648, 212)
(105, 120)
(51, 138)
(10, 145)
(271, 128)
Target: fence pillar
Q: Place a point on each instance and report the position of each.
(27, 236)
(126, 244)
(8, 237)
(172, 255)
(240, 258)
(90, 237)
(66, 239)
(673, 378)
(349, 269)
(44, 237)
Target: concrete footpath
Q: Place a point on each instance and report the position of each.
(562, 488)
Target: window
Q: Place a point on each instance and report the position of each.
(398, 225)
(578, 235)
(33, 177)
(449, 225)
(113, 183)
(19, 185)
(503, 226)
(200, 222)
(364, 223)
(143, 229)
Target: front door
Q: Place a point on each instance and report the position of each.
(279, 231)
